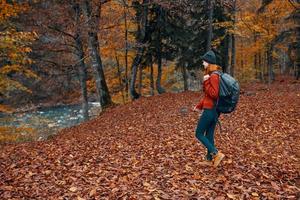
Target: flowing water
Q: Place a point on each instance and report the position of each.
(47, 121)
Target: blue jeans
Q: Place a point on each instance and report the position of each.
(205, 131)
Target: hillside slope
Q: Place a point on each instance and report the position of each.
(147, 150)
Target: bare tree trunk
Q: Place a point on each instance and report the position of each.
(140, 79)
(226, 60)
(120, 78)
(159, 89)
(281, 61)
(297, 19)
(184, 76)
(126, 51)
(255, 65)
(242, 55)
(265, 60)
(82, 67)
(270, 63)
(229, 53)
(290, 62)
(136, 62)
(233, 56)
(151, 79)
(93, 24)
(83, 78)
(233, 52)
(261, 66)
(143, 36)
(255, 59)
(210, 25)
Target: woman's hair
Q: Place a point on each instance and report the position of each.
(211, 68)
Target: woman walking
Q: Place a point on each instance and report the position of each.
(208, 120)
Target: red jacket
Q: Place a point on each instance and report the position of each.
(211, 92)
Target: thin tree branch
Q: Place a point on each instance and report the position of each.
(61, 31)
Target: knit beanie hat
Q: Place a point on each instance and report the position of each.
(209, 57)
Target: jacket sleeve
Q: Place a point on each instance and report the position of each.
(211, 86)
(200, 104)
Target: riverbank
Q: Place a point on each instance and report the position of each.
(40, 123)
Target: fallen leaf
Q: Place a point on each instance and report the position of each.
(254, 194)
(93, 192)
(231, 196)
(73, 189)
(48, 172)
(229, 161)
(146, 184)
(30, 174)
(275, 186)
(165, 196)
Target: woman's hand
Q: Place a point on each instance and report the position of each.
(195, 109)
(205, 77)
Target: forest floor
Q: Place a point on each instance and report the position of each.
(147, 150)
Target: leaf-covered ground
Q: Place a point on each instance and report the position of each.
(147, 150)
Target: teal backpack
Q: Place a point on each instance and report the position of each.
(229, 92)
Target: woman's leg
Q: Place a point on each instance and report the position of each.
(206, 120)
(210, 136)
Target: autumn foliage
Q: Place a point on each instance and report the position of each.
(142, 145)
(14, 49)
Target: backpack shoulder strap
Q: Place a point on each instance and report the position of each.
(217, 72)
(220, 74)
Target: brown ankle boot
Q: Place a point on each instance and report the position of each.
(217, 159)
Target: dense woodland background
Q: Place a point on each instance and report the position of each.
(75, 60)
(116, 50)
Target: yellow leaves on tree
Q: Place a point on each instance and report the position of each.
(266, 24)
(116, 28)
(5, 109)
(14, 49)
(256, 29)
(113, 29)
(8, 10)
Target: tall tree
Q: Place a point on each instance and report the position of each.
(151, 79)
(160, 23)
(71, 45)
(120, 77)
(233, 41)
(188, 21)
(92, 19)
(296, 16)
(270, 63)
(53, 51)
(117, 42)
(298, 42)
(126, 47)
(142, 37)
(81, 63)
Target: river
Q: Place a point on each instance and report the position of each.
(48, 121)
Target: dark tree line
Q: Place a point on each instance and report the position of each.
(180, 32)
